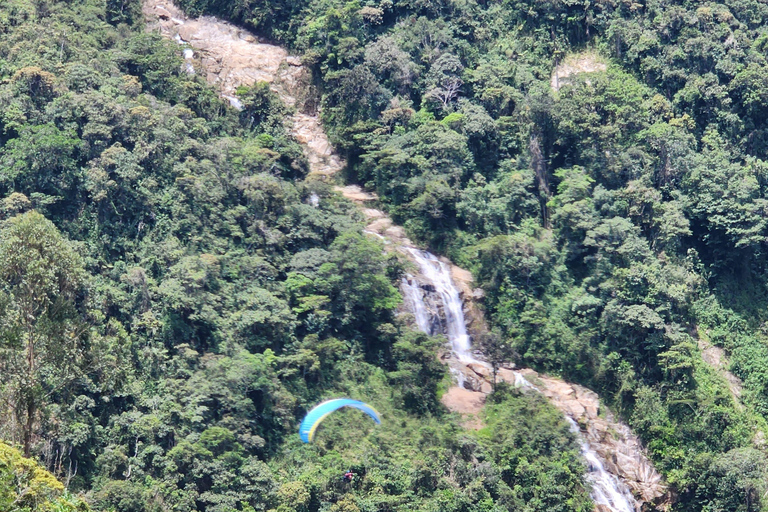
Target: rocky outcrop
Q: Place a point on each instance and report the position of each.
(715, 357)
(620, 450)
(473, 300)
(586, 62)
(231, 57)
(466, 402)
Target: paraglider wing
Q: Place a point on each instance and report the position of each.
(318, 414)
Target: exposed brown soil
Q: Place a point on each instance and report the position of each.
(466, 402)
(587, 62)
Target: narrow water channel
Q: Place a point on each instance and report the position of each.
(607, 490)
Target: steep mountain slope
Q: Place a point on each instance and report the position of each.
(608, 222)
(174, 296)
(193, 294)
(231, 58)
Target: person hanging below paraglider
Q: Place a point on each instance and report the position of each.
(348, 476)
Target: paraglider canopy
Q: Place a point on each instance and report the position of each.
(318, 413)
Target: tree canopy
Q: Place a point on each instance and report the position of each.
(173, 299)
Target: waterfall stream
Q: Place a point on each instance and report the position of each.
(607, 490)
(415, 301)
(439, 275)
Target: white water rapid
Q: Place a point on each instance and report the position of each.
(607, 491)
(415, 299)
(439, 274)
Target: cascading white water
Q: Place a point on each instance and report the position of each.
(235, 102)
(377, 235)
(416, 302)
(607, 490)
(439, 274)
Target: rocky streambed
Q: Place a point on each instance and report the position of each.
(622, 476)
(620, 451)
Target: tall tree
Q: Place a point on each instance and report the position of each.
(41, 333)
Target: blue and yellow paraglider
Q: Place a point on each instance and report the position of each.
(314, 417)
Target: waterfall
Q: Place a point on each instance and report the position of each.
(234, 101)
(439, 274)
(415, 299)
(607, 490)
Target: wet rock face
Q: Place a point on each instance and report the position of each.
(434, 307)
(433, 304)
(612, 440)
(472, 298)
(229, 56)
(421, 300)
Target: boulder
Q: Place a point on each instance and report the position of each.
(573, 409)
(480, 369)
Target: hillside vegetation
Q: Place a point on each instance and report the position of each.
(171, 304)
(616, 224)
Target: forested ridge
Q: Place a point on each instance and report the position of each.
(172, 302)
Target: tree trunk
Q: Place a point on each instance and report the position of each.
(29, 406)
(540, 168)
(28, 426)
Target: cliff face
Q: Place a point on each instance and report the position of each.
(231, 57)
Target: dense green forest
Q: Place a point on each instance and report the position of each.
(616, 224)
(171, 302)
